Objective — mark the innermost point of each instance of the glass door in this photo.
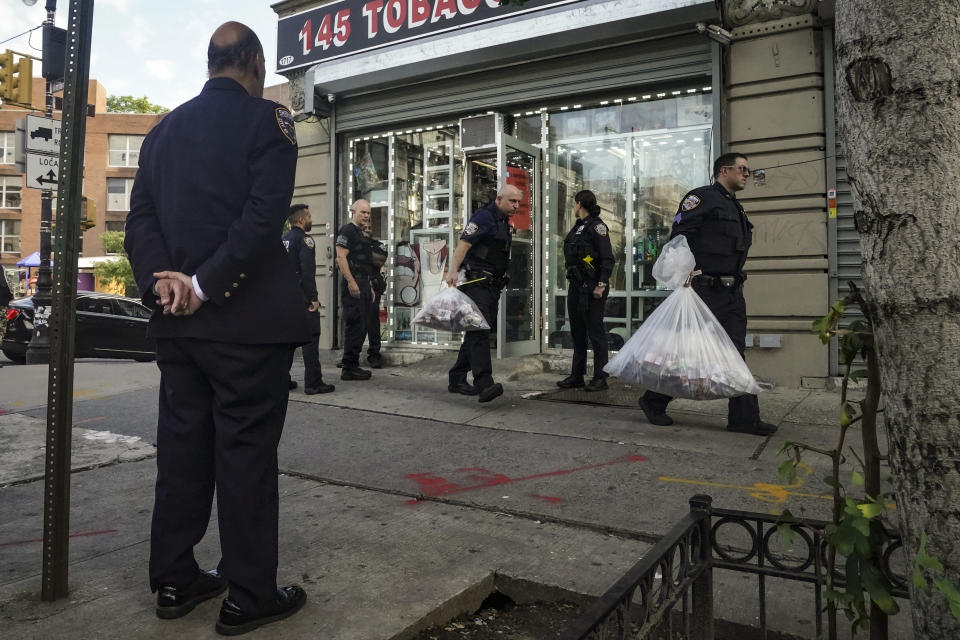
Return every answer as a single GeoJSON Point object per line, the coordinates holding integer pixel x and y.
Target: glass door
{"type": "Point", "coordinates": [518, 325]}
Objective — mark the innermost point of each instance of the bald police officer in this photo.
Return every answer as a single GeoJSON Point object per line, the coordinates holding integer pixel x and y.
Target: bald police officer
{"type": "Point", "coordinates": [302, 250]}
{"type": "Point", "coordinates": [719, 235]}
{"type": "Point", "coordinates": [484, 252]}
{"type": "Point", "coordinates": [203, 235]}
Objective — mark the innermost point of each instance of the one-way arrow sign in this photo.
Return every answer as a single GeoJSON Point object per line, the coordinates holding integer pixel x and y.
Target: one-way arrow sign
{"type": "Point", "coordinates": [42, 171]}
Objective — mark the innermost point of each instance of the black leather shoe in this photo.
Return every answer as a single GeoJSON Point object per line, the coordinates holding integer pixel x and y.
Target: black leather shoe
{"type": "Point", "coordinates": [659, 419]}
{"type": "Point", "coordinates": [462, 388]}
{"type": "Point", "coordinates": [293, 384]}
{"type": "Point", "coordinates": [493, 391]}
{"type": "Point", "coordinates": [758, 428]}
{"type": "Point", "coordinates": [234, 622]}
{"type": "Point", "coordinates": [571, 382]}
{"type": "Point", "coordinates": [175, 602]}
{"type": "Point", "coordinates": [320, 388]}
{"type": "Point", "coordinates": [597, 384]}
{"type": "Point", "coordinates": [354, 373]}
{"type": "Point", "coordinates": [375, 362]}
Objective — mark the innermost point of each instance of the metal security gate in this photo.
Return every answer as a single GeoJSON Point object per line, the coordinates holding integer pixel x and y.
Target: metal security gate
{"type": "Point", "coordinates": [600, 71]}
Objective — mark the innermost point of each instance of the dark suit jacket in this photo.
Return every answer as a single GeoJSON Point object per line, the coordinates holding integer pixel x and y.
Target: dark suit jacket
{"type": "Point", "coordinates": [213, 189]}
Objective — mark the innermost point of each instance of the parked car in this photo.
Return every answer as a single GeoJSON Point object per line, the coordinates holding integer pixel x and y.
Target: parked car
{"type": "Point", "coordinates": [107, 326]}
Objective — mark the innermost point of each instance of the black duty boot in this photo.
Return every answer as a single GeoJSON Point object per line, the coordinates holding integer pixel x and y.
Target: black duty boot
{"type": "Point", "coordinates": [660, 419]}
{"type": "Point", "coordinates": [758, 428]}
{"type": "Point", "coordinates": [354, 373]}
{"type": "Point", "coordinates": [323, 387]}
{"type": "Point", "coordinates": [175, 602]}
{"type": "Point", "coordinates": [493, 391]}
{"type": "Point", "coordinates": [597, 384]}
{"type": "Point", "coordinates": [571, 382]}
{"type": "Point", "coordinates": [234, 621]}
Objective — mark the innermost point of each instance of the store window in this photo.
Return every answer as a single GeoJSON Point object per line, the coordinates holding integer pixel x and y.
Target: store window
{"type": "Point", "coordinates": [124, 150]}
{"type": "Point", "coordinates": [6, 147]}
{"type": "Point", "coordinates": [114, 225]}
{"type": "Point", "coordinates": [10, 236]}
{"type": "Point", "coordinates": [413, 180]}
{"type": "Point", "coordinates": [118, 194]}
{"type": "Point", "coordinates": [10, 191]}
{"type": "Point", "coordinates": [639, 155]}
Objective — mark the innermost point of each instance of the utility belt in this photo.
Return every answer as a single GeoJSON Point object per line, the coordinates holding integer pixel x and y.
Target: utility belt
{"type": "Point", "coordinates": [487, 277]}
{"type": "Point", "coordinates": [358, 269]}
{"type": "Point", "coordinates": [721, 282]}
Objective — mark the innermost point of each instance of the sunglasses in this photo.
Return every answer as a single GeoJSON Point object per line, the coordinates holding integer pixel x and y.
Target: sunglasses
{"type": "Point", "coordinates": [744, 170]}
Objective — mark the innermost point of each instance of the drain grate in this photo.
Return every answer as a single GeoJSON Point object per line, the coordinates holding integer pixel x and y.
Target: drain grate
{"type": "Point", "coordinates": [618, 395]}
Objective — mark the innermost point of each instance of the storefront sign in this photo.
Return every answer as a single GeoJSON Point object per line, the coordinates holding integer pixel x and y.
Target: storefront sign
{"type": "Point", "coordinates": [346, 27]}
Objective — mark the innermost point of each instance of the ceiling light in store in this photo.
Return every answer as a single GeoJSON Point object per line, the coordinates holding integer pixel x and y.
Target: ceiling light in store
{"type": "Point", "coordinates": [663, 142]}
{"type": "Point", "coordinates": [517, 115]}
{"type": "Point", "coordinates": [691, 90]}
{"type": "Point", "coordinates": [698, 139]}
{"type": "Point", "coordinates": [708, 88]}
{"type": "Point", "coordinates": [646, 97]}
{"type": "Point", "coordinates": [564, 108]}
{"type": "Point", "coordinates": [603, 102]}
{"type": "Point", "coordinates": [577, 106]}
{"type": "Point", "coordinates": [367, 138]}
{"type": "Point", "coordinates": [676, 93]}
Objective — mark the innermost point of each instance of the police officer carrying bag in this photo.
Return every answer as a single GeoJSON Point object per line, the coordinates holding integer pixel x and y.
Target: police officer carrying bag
{"type": "Point", "coordinates": [589, 261]}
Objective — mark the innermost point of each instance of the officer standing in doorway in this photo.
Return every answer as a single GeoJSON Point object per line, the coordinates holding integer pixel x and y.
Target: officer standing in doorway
{"type": "Point", "coordinates": [589, 261]}
{"type": "Point", "coordinates": [484, 252]}
{"type": "Point", "coordinates": [719, 235]}
{"type": "Point", "coordinates": [355, 262]}
{"type": "Point", "coordinates": [207, 209]}
{"type": "Point", "coordinates": [302, 250]}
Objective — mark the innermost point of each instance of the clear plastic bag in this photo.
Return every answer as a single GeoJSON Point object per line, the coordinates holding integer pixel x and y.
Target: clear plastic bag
{"type": "Point", "coordinates": [451, 310]}
{"type": "Point", "coordinates": [681, 349]}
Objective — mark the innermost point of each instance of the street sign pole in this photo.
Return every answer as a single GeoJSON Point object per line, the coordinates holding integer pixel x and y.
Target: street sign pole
{"type": "Point", "coordinates": [56, 508]}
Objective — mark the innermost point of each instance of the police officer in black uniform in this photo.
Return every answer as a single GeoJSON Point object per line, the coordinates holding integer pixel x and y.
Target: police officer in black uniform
{"type": "Point", "coordinates": [355, 261]}
{"type": "Point", "coordinates": [484, 252]}
{"type": "Point", "coordinates": [589, 261]}
{"type": "Point", "coordinates": [719, 235]}
{"type": "Point", "coordinates": [378, 258]}
{"type": "Point", "coordinates": [203, 235]}
{"type": "Point", "coordinates": [302, 250]}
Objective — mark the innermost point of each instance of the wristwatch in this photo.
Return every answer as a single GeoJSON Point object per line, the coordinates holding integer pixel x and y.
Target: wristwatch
{"type": "Point", "coordinates": [602, 284]}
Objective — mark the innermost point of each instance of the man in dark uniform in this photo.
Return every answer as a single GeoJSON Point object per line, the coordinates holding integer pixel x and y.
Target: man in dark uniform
{"type": "Point", "coordinates": [355, 262]}
{"type": "Point", "coordinates": [203, 235]}
{"type": "Point", "coordinates": [589, 261]}
{"type": "Point", "coordinates": [484, 252]}
{"type": "Point", "coordinates": [302, 250]}
{"type": "Point", "coordinates": [719, 235]}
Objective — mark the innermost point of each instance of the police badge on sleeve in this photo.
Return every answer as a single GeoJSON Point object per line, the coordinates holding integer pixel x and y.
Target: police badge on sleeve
{"type": "Point", "coordinates": [470, 229]}
{"type": "Point", "coordinates": [601, 229]}
{"type": "Point", "coordinates": [307, 240]}
{"type": "Point", "coordinates": [285, 122]}
{"type": "Point", "coordinates": [690, 202]}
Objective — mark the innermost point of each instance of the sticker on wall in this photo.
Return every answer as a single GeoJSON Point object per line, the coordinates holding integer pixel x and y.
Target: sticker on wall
{"type": "Point", "coordinates": [832, 203]}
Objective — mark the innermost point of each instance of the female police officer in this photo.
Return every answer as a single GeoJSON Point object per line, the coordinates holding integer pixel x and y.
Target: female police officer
{"type": "Point", "coordinates": [589, 261]}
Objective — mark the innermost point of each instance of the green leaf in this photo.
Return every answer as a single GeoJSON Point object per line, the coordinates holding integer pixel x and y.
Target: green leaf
{"type": "Point", "coordinates": [924, 559]}
{"type": "Point", "coordinates": [857, 478]}
{"type": "Point", "coordinates": [786, 533]}
{"type": "Point", "coordinates": [870, 509]}
{"type": "Point", "coordinates": [918, 580]}
{"type": "Point", "coordinates": [862, 525]}
{"type": "Point", "coordinates": [947, 589]}
{"type": "Point", "coordinates": [878, 591]}
{"type": "Point", "coordinates": [859, 374]}
{"type": "Point", "coordinates": [845, 419]}
{"type": "Point", "coordinates": [787, 471]}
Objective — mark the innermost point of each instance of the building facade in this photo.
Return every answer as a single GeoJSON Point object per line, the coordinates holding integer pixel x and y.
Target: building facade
{"type": "Point", "coordinates": [111, 157]}
{"type": "Point", "coordinates": [424, 106]}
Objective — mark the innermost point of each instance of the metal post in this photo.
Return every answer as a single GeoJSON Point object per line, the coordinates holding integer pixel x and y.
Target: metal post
{"type": "Point", "coordinates": [56, 512]}
{"type": "Point", "coordinates": [702, 587]}
{"type": "Point", "coordinates": [38, 351]}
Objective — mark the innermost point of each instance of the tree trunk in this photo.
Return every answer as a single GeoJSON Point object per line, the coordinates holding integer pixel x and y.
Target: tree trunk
{"type": "Point", "coordinates": [898, 103]}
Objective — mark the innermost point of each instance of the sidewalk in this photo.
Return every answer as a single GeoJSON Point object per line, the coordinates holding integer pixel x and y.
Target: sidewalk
{"type": "Point", "coordinates": [582, 491]}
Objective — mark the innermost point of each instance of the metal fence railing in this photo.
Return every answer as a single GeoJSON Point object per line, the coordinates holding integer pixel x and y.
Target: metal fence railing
{"type": "Point", "coordinates": [668, 594]}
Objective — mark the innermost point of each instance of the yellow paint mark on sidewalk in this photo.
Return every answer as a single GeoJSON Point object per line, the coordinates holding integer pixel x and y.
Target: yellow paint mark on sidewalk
{"type": "Point", "coordinates": [767, 492]}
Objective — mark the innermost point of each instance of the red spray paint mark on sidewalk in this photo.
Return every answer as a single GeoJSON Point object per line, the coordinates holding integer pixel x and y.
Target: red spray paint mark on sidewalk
{"type": "Point", "coordinates": [73, 535]}
{"type": "Point", "coordinates": [434, 486]}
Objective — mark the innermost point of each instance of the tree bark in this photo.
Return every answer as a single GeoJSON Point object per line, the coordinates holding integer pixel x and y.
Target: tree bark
{"type": "Point", "coordinates": [898, 104]}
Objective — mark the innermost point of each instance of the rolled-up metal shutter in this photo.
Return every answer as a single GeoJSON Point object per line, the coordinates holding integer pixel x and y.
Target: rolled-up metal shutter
{"type": "Point", "coordinates": [583, 73]}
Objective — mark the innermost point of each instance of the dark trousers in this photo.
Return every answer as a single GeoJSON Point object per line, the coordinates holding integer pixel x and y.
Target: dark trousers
{"type": "Point", "coordinates": [474, 353]}
{"type": "Point", "coordinates": [221, 413]}
{"type": "Point", "coordinates": [312, 373]}
{"type": "Point", "coordinates": [356, 312]}
{"type": "Point", "coordinates": [373, 329]}
{"type": "Point", "coordinates": [731, 310]}
{"type": "Point", "coordinates": [586, 321]}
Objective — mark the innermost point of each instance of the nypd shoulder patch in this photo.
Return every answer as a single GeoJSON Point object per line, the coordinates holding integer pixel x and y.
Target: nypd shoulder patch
{"type": "Point", "coordinates": [601, 229]}
{"type": "Point", "coordinates": [309, 242]}
{"type": "Point", "coordinates": [285, 122]}
{"type": "Point", "coordinates": [470, 229]}
{"type": "Point", "coordinates": [342, 241]}
{"type": "Point", "coordinates": [690, 202]}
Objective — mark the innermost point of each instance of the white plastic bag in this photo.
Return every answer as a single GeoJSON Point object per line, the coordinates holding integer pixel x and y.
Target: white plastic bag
{"type": "Point", "coordinates": [451, 310]}
{"type": "Point", "coordinates": [681, 349]}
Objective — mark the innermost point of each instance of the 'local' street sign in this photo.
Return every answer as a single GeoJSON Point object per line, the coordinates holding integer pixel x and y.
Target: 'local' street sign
{"type": "Point", "coordinates": [42, 171]}
{"type": "Point", "coordinates": [43, 135]}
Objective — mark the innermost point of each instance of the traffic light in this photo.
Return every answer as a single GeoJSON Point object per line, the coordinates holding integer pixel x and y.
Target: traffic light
{"type": "Point", "coordinates": [23, 82]}
{"type": "Point", "coordinates": [16, 79]}
{"type": "Point", "coordinates": [6, 75]}
{"type": "Point", "coordinates": [88, 213]}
